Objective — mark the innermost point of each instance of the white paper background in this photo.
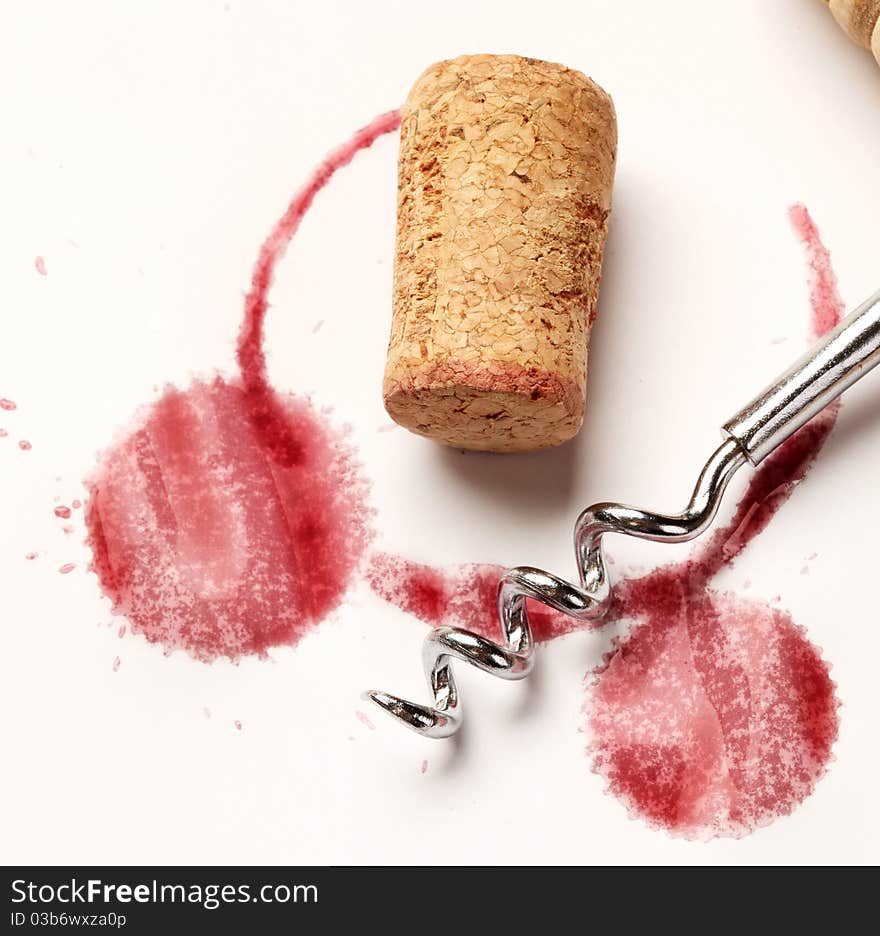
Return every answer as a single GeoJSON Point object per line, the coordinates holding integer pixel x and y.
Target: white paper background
{"type": "Point", "coordinates": [147, 152]}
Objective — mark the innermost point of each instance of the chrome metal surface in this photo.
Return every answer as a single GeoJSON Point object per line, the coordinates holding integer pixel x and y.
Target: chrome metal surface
{"type": "Point", "coordinates": [834, 363]}
{"type": "Point", "coordinates": [820, 376]}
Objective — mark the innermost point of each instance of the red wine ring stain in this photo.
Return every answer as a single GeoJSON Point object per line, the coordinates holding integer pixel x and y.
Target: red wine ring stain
{"type": "Point", "coordinates": [232, 519]}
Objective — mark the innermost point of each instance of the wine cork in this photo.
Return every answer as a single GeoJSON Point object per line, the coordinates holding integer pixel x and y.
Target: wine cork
{"type": "Point", "coordinates": [860, 20]}
{"type": "Point", "coordinates": [504, 191]}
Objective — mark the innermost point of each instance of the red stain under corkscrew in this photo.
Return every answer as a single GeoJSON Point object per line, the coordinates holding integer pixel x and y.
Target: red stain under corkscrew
{"type": "Point", "coordinates": [714, 715]}
{"type": "Point", "coordinates": [231, 518]}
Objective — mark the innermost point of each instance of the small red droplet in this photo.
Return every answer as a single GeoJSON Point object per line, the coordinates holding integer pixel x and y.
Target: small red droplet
{"type": "Point", "coordinates": [40, 265]}
{"type": "Point", "coordinates": [8, 405]}
{"type": "Point", "coordinates": [30, 555]}
{"type": "Point", "coordinates": [67, 567]}
{"type": "Point", "coordinates": [116, 664]}
{"type": "Point", "coordinates": [76, 504]}
{"type": "Point", "coordinates": [237, 724]}
{"type": "Point", "coordinates": [24, 445]}
{"type": "Point", "coordinates": [3, 433]}
{"type": "Point", "coordinates": [121, 631]}
{"type": "Point", "coordinates": [63, 512]}
{"type": "Point", "coordinates": [364, 720]}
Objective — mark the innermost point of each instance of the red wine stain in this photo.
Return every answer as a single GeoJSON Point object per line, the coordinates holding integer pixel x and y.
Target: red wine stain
{"type": "Point", "coordinates": [76, 504]}
{"type": "Point", "coordinates": [3, 433]}
{"type": "Point", "coordinates": [67, 568]}
{"type": "Point", "coordinates": [24, 445]}
{"type": "Point", "coordinates": [231, 518]}
{"type": "Point", "coordinates": [824, 298]}
{"type": "Point", "coordinates": [714, 715]}
{"type": "Point", "coordinates": [40, 266]}
{"type": "Point", "coordinates": [116, 664]}
{"type": "Point", "coordinates": [63, 512]}
{"type": "Point", "coordinates": [31, 555]}
{"type": "Point", "coordinates": [68, 528]}
{"type": "Point", "coordinates": [460, 596]}
{"type": "Point", "coordinates": [8, 405]}
{"type": "Point", "coordinates": [237, 724]}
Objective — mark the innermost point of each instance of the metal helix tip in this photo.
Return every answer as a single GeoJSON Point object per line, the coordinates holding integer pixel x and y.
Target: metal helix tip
{"type": "Point", "coordinates": [423, 719]}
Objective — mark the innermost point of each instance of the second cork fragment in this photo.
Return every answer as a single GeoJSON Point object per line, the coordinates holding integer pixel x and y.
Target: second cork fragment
{"type": "Point", "coordinates": [504, 191]}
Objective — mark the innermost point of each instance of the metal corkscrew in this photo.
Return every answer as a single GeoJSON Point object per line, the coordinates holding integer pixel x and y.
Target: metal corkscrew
{"type": "Point", "coordinates": [816, 379]}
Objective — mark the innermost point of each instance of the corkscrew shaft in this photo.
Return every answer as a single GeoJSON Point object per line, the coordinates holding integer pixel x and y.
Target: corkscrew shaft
{"type": "Point", "coordinates": [834, 363]}
{"type": "Point", "coordinates": [810, 384]}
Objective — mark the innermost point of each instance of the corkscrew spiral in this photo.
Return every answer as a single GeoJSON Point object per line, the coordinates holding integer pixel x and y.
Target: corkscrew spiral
{"type": "Point", "coordinates": [514, 658]}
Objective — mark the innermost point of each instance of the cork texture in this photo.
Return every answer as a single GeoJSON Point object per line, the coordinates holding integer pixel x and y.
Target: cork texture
{"type": "Point", "coordinates": [860, 20]}
{"type": "Point", "coordinates": [857, 17]}
{"type": "Point", "coordinates": [505, 175]}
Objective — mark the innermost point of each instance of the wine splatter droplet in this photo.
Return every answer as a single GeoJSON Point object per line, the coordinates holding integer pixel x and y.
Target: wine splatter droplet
{"type": "Point", "coordinates": [67, 568]}
{"type": "Point", "coordinates": [63, 512]}
{"type": "Point", "coordinates": [40, 266]}
{"type": "Point", "coordinates": [116, 664]}
{"type": "Point", "coordinates": [8, 405]}
{"type": "Point", "coordinates": [24, 445]}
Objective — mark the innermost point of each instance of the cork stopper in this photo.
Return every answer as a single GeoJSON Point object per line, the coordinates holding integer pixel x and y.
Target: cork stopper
{"type": "Point", "coordinates": [505, 176]}
{"type": "Point", "coordinates": [860, 20]}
